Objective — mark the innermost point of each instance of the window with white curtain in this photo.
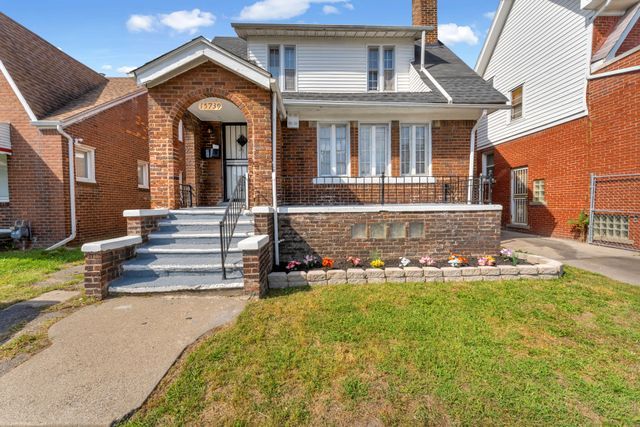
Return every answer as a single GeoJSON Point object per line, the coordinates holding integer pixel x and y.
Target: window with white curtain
{"type": "Point", "coordinates": [374, 149]}
{"type": "Point", "coordinates": [388, 62]}
{"type": "Point", "coordinates": [415, 150]}
{"type": "Point", "coordinates": [274, 61]}
{"type": "Point", "coordinates": [143, 174]}
{"type": "Point", "coordinates": [373, 68]}
{"type": "Point", "coordinates": [289, 68]}
{"type": "Point", "coordinates": [333, 149]}
{"type": "Point", "coordinates": [4, 179]}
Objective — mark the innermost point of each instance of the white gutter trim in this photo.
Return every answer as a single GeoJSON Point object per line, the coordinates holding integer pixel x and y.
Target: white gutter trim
{"type": "Point", "coordinates": [103, 107]}
{"type": "Point", "coordinates": [596, 66]}
{"type": "Point", "coordinates": [273, 83]}
{"type": "Point", "coordinates": [424, 46]}
{"type": "Point", "coordinates": [72, 189]}
{"type": "Point", "coordinates": [274, 188]}
{"type": "Point", "coordinates": [17, 92]}
{"type": "Point", "coordinates": [600, 11]}
{"type": "Point", "coordinates": [472, 155]}
{"type": "Point", "coordinates": [319, 102]}
{"type": "Point", "coordinates": [614, 72]}
{"type": "Point", "coordinates": [436, 84]}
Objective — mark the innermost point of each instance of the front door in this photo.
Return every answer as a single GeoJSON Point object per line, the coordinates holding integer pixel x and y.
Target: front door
{"type": "Point", "coordinates": [519, 196]}
{"type": "Point", "coordinates": [235, 155]}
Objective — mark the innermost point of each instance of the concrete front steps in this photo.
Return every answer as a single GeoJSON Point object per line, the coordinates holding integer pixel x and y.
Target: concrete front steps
{"type": "Point", "coordinates": [184, 255]}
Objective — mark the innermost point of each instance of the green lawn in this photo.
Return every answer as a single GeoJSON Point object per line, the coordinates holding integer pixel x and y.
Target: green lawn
{"type": "Point", "coordinates": [563, 352]}
{"type": "Point", "coordinates": [20, 270]}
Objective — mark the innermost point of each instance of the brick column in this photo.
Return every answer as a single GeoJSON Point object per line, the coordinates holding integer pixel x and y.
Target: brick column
{"type": "Point", "coordinates": [144, 221]}
{"type": "Point", "coordinates": [257, 264]}
{"type": "Point", "coordinates": [103, 263]}
{"type": "Point", "coordinates": [395, 148]}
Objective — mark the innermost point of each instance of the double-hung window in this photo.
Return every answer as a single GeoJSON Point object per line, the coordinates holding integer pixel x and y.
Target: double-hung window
{"type": "Point", "coordinates": [85, 163]}
{"type": "Point", "coordinates": [381, 62]}
{"type": "Point", "coordinates": [517, 103]}
{"type": "Point", "coordinates": [415, 150]}
{"type": "Point", "coordinates": [374, 149]}
{"type": "Point", "coordinates": [333, 149]}
{"type": "Point", "coordinates": [4, 179]}
{"type": "Point", "coordinates": [282, 65]}
{"type": "Point", "coordinates": [143, 174]}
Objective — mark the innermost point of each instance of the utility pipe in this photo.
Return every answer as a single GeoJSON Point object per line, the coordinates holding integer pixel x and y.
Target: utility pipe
{"type": "Point", "coordinates": [472, 155]}
{"type": "Point", "coordinates": [274, 188]}
{"type": "Point", "coordinates": [72, 188]}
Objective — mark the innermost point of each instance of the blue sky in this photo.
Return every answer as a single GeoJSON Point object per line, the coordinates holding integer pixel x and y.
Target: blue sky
{"type": "Point", "coordinates": [116, 35]}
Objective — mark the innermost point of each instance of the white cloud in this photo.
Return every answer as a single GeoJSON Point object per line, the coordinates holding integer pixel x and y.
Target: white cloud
{"type": "Point", "coordinates": [188, 21]}
{"type": "Point", "coordinates": [454, 34]}
{"type": "Point", "coordinates": [125, 69]}
{"type": "Point", "coordinates": [348, 6]}
{"type": "Point", "coordinates": [271, 10]}
{"type": "Point", "coordinates": [107, 67]}
{"type": "Point", "coordinates": [327, 9]}
{"type": "Point", "coordinates": [489, 15]}
{"type": "Point", "coordinates": [138, 23]}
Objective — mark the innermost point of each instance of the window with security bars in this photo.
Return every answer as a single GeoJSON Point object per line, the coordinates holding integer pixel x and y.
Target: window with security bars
{"type": "Point", "coordinates": [610, 228]}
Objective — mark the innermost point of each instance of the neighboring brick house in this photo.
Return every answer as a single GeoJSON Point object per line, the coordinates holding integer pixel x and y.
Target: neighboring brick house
{"type": "Point", "coordinates": [572, 70]}
{"type": "Point", "coordinates": [47, 98]}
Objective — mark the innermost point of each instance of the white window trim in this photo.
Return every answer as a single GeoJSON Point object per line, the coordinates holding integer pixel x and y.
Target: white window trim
{"type": "Point", "coordinates": [333, 148]}
{"type": "Point", "coordinates": [91, 163]}
{"type": "Point", "coordinates": [6, 161]}
{"type": "Point", "coordinates": [522, 117]}
{"type": "Point", "coordinates": [281, 53]}
{"type": "Point", "coordinates": [381, 48]}
{"type": "Point", "coordinates": [484, 162]}
{"type": "Point", "coordinates": [387, 171]}
{"type": "Point", "coordinates": [365, 180]}
{"type": "Point", "coordinates": [412, 149]}
{"type": "Point", "coordinates": [145, 180]}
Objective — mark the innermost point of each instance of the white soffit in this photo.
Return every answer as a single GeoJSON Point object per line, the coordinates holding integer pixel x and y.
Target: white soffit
{"type": "Point", "coordinates": [5, 138]}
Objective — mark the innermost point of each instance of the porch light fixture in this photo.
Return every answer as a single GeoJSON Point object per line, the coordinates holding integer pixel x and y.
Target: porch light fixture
{"type": "Point", "coordinates": [242, 140]}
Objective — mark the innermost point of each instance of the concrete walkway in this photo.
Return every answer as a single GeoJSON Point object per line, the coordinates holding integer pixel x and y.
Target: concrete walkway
{"type": "Point", "coordinates": [106, 359]}
{"type": "Point", "coordinates": [617, 264]}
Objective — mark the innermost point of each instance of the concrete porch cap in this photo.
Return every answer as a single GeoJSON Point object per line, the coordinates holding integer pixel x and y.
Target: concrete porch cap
{"type": "Point", "coordinates": [141, 213]}
{"type": "Point", "coordinates": [427, 207]}
{"type": "Point", "coordinates": [253, 243]}
{"type": "Point", "coordinates": [111, 244]}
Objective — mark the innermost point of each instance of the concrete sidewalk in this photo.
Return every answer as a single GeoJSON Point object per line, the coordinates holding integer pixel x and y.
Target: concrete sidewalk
{"type": "Point", "coordinates": [107, 358]}
{"type": "Point", "coordinates": [617, 264]}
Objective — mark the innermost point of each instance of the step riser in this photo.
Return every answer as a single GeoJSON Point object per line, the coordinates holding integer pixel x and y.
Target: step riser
{"type": "Point", "coordinates": [209, 241]}
{"type": "Point", "coordinates": [177, 259]}
{"type": "Point", "coordinates": [178, 273]}
{"type": "Point", "coordinates": [211, 229]}
{"type": "Point", "coordinates": [182, 217]}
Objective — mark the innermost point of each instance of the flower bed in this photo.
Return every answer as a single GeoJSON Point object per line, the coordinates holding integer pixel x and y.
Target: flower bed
{"type": "Point", "coordinates": [527, 267]}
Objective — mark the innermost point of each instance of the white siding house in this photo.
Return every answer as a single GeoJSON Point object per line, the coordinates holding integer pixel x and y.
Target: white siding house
{"type": "Point", "coordinates": [545, 47]}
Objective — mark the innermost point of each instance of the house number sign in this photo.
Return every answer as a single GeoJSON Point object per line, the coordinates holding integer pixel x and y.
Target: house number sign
{"type": "Point", "coordinates": [210, 106]}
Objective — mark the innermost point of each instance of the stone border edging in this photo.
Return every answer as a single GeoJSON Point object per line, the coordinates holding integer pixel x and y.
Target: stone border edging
{"type": "Point", "coordinates": [543, 268]}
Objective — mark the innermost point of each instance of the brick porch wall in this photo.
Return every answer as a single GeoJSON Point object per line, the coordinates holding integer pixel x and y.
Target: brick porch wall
{"type": "Point", "coordinates": [330, 234]}
{"type": "Point", "coordinates": [169, 101]}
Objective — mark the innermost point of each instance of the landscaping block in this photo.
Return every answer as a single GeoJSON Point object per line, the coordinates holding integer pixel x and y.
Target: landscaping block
{"type": "Point", "coordinates": [414, 274]}
{"type": "Point", "coordinates": [278, 280]}
{"type": "Point", "coordinates": [356, 273]}
{"type": "Point", "coordinates": [374, 273]}
{"type": "Point", "coordinates": [393, 273]}
{"type": "Point", "coordinates": [316, 276]}
{"type": "Point", "coordinates": [470, 271]}
{"type": "Point", "coordinates": [376, 280]}
{"type": "Point", "coordinates": [432, 272]}
{"type": "Point", "coordinates": [473, 278]}
{"type": "Point", "coordinates": [336, 277]}
{"type": "Point", "coordinates": [528, 270]}
{"type": "Point", "coordinates": [357, 281]}
{"type": "Point", "coordinates": [509, 270]}
{"type": "Point", "coordinates": [489, 271]}
{"type": "Point", "coordinates": [297, 279]}
{"type": "Point", "coordinates": [549, 268]}
{"type": "Point", "coordinates": [451, 272]}
{"type": "Point", "coordinates": [453, 279]}
{"type": "Point", "coordinates": [433, 279]}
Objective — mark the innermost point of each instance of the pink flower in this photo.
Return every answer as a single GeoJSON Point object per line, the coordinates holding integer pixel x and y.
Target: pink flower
{"type": "Point", "coordinates": [428, 261]}
{"type": "Point", "coordinates": [356, 262]}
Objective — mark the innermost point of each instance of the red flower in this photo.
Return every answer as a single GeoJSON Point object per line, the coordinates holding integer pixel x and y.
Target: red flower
{"type": "Point", "coordinates": [327, 263]}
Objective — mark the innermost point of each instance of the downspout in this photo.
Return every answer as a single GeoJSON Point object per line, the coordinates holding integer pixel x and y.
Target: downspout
{"type": "Point", "coordinates": [472, 156]}
{"type": "Point", "coordinates": [72, 189]}
{"type": "Point", "coordinates": [274, 188]}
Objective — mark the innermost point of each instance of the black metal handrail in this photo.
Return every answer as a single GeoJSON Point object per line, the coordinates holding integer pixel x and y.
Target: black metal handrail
{"type": "Point", "coordinates": [331, 191]}
{"type": "Point", "coordinates": [230, 220]}
{"type": "Point", "coordinates": [186, 196]}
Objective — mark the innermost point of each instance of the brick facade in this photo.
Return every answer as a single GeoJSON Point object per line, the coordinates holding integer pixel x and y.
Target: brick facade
{"type": "Point", "coordinates": [606, 141]}
{"type": "Point", "coordinates": [101, 268]}
{"type": "Point", "coordinates": [168, 103]}
{"type": "Point", "coordinates": [425, 12]}
{"type": "Point", "coordinates": [256, 268]}
{"type": "Point", "coordinates": [330, 234]}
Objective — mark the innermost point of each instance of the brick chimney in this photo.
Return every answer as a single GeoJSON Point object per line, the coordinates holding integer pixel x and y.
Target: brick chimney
{"type": "Point", "coordinates": [425, 12]}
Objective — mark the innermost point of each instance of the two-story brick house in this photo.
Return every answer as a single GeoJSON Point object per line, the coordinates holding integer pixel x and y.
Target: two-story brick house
{"type": "Point", "coordinates": [349, 139]}
{"type": "Point", "coordinates": [572, 71]}
{"type": "Point", "coordinates": [60, 119]}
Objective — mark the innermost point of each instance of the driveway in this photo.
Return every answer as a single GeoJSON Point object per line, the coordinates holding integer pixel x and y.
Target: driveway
{"type": "Point", "coordinates": [106, 359]}
{"type": "Point", "coordinates": [617, 264]}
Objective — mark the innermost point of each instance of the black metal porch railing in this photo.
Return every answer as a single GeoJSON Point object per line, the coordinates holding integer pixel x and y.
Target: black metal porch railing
{"type": "Point", "coordinates": [230, 219]}
{"type": "Point", "coordinates": [186, 196]}
{"type": "Point", "coordinates": [331, 191]}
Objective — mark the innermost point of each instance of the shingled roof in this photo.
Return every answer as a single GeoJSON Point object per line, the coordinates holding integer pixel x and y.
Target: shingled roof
{"type": "Point", "coordinates": [54, 84]}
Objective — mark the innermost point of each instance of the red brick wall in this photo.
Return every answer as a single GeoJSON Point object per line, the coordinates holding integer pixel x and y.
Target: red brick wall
{"type": "Point", "coordinates": [329, 235]}
{"type": "Point", "coordinates": [36, 174]}
{"type": "Point", "coordinates": [171, 100]}
{"type": "Point", "coordinates": [119, 136]}
{"type": "Point", "coordinates": [632, 40]}
{"type": "Point", "coordinates": [425, 12]}
{"type": "Point", "coordinates": [605, 142]}
{"type": "Point", "coordinates": [602, 27]}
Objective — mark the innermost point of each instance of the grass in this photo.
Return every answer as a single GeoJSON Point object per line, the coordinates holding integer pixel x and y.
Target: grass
{"type": "Point", "coordinates": [20, 270]}
{"type": "Point", "coordinates": [562, 352]}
